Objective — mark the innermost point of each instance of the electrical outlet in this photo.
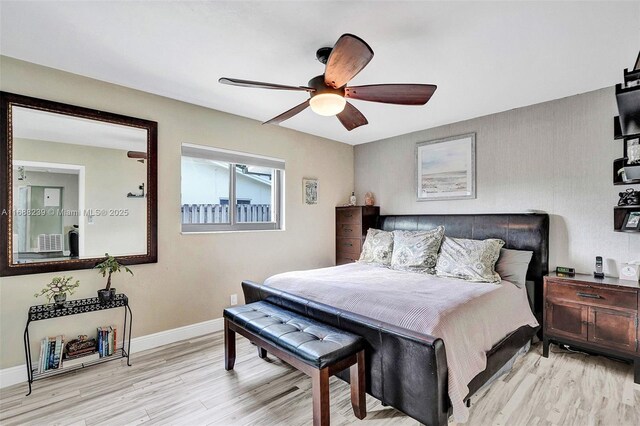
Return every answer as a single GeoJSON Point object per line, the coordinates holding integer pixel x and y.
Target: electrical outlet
{"type": "Point", "coordinates": [234, 299]}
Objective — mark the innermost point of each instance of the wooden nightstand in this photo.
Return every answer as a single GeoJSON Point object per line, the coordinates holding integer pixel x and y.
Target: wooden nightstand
{"type": "Point", "coordinates": [352, 224]}
{"type": "Point", "coordinates": [600, 315]}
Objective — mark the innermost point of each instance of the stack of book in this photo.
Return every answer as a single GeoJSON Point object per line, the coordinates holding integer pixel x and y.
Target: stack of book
{"type": "Point", "coordinates": [107, 340]}
{"type": "Point", "coordinates": [51, 353]}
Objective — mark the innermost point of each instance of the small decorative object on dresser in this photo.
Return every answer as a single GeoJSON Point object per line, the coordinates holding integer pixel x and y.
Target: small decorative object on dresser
{"type": "Point", "coordinates": [109, 266]}
{"type": "Point", "coordinates": [598, 315]}
{"type": "Point", "coordinates": [369, 199]}
{"type": "Point", "coordinates": [57, 290]}
{"type": "Point", "coordinates": [352, 199]}
{"type": "Point", "coordinates": [630, 271]}
{"type": "Point", "coordinates": [310, 191]}
{"type": "Point", "coordinates": [352, 224]}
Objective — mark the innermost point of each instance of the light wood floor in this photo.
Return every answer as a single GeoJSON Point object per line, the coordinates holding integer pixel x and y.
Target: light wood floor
{"type": "Point", "coordinates": [185, 383]}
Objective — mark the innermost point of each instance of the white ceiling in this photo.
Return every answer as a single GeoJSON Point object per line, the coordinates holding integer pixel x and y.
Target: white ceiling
{"type": "Point", "coordinates": [485, 57]}
{"type": "Point", "coordinates": [46, 126]}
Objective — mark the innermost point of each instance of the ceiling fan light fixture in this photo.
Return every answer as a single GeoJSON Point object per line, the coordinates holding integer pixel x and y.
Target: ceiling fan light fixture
{"type": "Point", "coordinates": [327, 104]}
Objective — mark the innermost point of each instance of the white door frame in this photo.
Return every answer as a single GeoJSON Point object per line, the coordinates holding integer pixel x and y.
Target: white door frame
{"type": "Point", "coordinates": [81, 190]}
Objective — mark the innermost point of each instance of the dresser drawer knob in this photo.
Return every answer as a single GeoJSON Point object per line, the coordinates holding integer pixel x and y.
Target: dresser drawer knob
{"type": "Point", "coordinates": [589, 295]}
{"type": "Point", "coordinates": [348, 215]}
{"type": "Point", "coordinates": [348, 229]}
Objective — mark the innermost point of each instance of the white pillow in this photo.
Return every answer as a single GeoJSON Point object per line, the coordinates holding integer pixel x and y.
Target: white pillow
{"type": "Point", "coordinates": [512, 266]}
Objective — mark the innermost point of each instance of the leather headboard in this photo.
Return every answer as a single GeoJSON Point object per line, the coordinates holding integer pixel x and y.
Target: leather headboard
{"type": "Point", "coordinates": [518, 231]}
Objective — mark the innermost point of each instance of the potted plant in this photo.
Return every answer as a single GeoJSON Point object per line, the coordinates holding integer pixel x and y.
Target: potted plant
{"type": "Point", "coordinates": [57, 290]}
{"type": "Point", "coordinates": [106, 268]}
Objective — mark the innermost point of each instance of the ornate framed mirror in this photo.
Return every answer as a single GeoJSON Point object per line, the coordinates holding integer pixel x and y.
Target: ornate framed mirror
{"type": "Point", "coordinates": [77, 183]}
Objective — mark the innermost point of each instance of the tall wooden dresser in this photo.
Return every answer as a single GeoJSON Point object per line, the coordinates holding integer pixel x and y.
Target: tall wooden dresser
{"type": "Point", "coordinates": [600, 315]}
{"type": "Point", "coordinates": [352, 224]}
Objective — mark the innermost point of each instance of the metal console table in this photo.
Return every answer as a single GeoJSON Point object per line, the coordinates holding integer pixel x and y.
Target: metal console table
{"type": "Point", "coordinates": [74, 307]}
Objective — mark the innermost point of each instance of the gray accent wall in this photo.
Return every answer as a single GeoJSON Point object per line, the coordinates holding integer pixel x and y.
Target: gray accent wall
{"type": "Point", "coordinates": [554, 157]}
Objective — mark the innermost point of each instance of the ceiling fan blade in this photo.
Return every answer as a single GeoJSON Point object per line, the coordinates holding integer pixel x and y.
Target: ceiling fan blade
{"type": "Point", "coordinates": [348, 57]}
{"type": "Point", "coordinates": [401, 94]}
{"type": "Point", "coordinates": [137, 154]}
{"type": "Point", "coordinates": [288, 114]}
{"type": "Point", "coordinates": [261, 85]}
{"type": "Point", "coordinates": [351, 118]}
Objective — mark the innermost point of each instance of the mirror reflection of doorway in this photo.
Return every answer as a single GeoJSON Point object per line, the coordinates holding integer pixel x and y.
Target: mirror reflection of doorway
{"type": "Point", "coordinates": [48, 200]}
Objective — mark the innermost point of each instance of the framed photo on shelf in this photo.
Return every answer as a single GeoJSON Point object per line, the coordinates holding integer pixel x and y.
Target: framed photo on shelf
{"type": "Point", "coordinates": [310, 191]}
{"type": "Point", "coordinates": [632, 222]}
{"type": "Point", "coordinates": [446, 168]}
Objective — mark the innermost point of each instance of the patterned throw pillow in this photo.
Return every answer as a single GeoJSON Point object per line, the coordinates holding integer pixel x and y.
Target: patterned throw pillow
{"type": "Point", "coordinates": [471, 260]}
{"type": "Point", "coordinates": [377, 247]}
{"type": "Point", "coordinates": [416, 251]}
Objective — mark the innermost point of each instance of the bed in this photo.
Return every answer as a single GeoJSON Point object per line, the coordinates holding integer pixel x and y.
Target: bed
{"type": "Point", "coordinates": [406, 367]}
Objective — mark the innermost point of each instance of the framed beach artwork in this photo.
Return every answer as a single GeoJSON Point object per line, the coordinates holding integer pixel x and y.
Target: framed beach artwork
{"type": "Point", "coordinates": [310, 191]}
{"type": "Point", "coordinates": [446, 168]}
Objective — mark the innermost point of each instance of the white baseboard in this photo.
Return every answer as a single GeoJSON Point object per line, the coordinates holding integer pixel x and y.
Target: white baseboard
{"type": "Point", "coordinates": [150, 341]}
{"type": "Point", "coordinates": [18, 374]}
{"type": "Point", "coordinates": [12, 375]}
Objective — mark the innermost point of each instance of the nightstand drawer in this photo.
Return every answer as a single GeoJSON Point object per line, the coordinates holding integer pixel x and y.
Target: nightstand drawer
{"type": "Point", "coordinates": [593, 295]}
{"type": "Point", "coordinates": [349, 215]}
{"type": "Point", "coordinates": [348, 247]}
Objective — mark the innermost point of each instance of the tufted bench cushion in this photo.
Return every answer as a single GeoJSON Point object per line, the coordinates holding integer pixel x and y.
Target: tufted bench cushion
{"type": "Point", "coordinates": [312, 342]}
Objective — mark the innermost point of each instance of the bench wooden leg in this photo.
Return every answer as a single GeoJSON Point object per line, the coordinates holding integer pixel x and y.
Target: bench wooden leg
{"type": "Point", "coordinates": [262, 353]}
{"type": "Point", "coordinates": [229, 346]}
{"type": "Point", "coordinates": [320, 389]}
{"type": "Point", "coordinates": [358, 387]}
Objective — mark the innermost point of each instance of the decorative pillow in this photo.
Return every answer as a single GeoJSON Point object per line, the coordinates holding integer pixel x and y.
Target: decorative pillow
{"type": "Point", "coordinates": [377, 247]}
{"type": "Point", "coordinates": [416, 251]}
{"type": "Point", "coordinates": [512, 266]}
{"type": "Point", "coordinates": [471, 260]}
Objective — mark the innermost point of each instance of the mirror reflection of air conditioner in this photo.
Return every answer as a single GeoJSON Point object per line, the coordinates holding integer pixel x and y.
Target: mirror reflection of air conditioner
{"type": "Point", "coordinates": [49, 242]}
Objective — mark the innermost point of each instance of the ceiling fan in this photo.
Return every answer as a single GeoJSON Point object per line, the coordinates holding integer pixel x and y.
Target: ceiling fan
{"type": "Point", "coordinates": [328, 92]}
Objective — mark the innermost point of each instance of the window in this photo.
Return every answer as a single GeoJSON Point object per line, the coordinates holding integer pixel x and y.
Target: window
{"type": "Point", "coordinates": [230, 191]}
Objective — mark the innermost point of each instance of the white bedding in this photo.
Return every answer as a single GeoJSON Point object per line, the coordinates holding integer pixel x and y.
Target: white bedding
{"type": "Point", "coordinates": [469, 317]}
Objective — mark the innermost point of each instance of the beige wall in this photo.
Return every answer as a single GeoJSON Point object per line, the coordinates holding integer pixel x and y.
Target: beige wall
{"type": "Point", "coordinates": [195, 274]}
{"type": "Point", "coordinates": [556, 157]}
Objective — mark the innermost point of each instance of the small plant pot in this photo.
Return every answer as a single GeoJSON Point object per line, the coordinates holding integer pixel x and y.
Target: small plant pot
{"type": "Point", "coordinates": [59, 300]}
{"type": "Point", "coordinates": [105, 296]}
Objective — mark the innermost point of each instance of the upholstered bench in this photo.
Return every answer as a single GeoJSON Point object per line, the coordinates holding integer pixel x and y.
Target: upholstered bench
{"type": "Point", "coordinates": [312, 347]}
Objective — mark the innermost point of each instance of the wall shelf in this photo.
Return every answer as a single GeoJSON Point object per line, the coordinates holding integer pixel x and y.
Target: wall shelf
{"type": "Point", "coordinates": [628, 99]}
{"type": "Point", "coordinates": [626, 126]}
{"type": "Point", "coordinates": [617, 131]}
{"type": "Point", "coordinates": [618, 163]}
{"type": "Point", "coordinates": [620, 213]}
